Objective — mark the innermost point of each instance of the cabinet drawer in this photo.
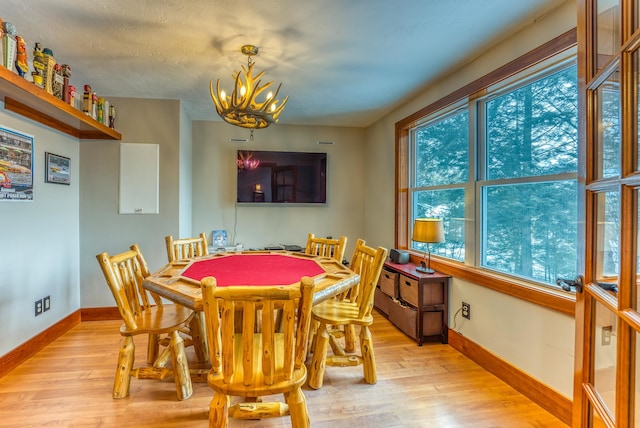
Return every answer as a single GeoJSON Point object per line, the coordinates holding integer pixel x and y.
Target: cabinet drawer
{"type": "Point", "coordinates": [382, 302]}
{"type": "Point", "coordinates": [409, 290]}
{"type": "Point", "coordinates": [404, 317]}
{"type": "Point", "coordinates": [432, 292]}
{"type": "Point", "coordinates": [389, 283]}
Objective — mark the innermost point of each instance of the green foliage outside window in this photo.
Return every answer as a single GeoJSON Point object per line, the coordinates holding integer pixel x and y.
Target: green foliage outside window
{"type": "Point", "coordinates": [524, 187]}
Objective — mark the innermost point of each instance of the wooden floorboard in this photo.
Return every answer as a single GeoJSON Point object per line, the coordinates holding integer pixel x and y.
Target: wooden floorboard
{"type": "Point", "coordinates": [69, 384]}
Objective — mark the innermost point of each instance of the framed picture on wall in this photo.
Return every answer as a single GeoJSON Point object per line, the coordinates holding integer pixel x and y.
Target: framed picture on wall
{"type": "Point", "coordinates": [57, 169]}
{"type": "Point", "coordinates": [16, 161]}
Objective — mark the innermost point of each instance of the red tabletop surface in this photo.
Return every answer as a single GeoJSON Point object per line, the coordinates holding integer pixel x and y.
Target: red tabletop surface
{"type": "Point", "coordinates": [253, 269]}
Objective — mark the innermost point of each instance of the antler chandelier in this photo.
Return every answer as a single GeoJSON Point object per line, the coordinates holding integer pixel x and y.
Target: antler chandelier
{"type": "Point", "coordinates": [242, 108]}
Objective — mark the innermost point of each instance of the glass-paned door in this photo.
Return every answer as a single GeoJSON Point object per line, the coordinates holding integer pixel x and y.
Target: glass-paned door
{"type": "Point", "coordinates": [607, 318]}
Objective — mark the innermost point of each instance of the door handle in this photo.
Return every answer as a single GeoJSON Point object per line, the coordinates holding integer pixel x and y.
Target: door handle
{"type": "Point", "coordinates": [608, 286]}
{"type": "Point", "coordinates": [567, 284]}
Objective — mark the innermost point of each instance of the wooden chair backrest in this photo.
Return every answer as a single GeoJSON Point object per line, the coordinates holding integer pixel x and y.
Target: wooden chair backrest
{"type": "Point", "coordinates": [326, 247]}
{"type": "Point", "coordinates": [259, 307]}
{"type": "Point", "coordinates": [124, 275]}
{"type": "Point", "coordinates": [144, 268]}
{"type": "Point", "coordinates": [185, 248]}
{"type": "Point", "coordinates": [366, 262]}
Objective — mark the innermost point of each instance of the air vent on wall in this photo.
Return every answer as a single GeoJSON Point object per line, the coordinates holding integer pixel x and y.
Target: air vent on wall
{"type": "Point", "coordinates": [238, 140]}
{"type": "Point", "coordinates": [326, 143]}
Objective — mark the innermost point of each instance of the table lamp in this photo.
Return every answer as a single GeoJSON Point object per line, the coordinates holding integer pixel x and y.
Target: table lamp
{"type": "Point", "coordinates": [428, 231]}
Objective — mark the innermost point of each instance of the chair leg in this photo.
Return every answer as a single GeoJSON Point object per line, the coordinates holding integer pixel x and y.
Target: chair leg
{"type": "Point", "coordinates": [181, 374]}
{"type": "Point", "coordinates": [349, 338]}
{"type": "Point", "coordinates": [126, 358]}
{"type": "Point", "coordinates": [197, 329]}
{"type": "Point", "coordinates": [316, 371]}
{"type": "Point", "coordinates": [335, 345]}
{"type": "Point", "coordinates": [163, 358]}
{"type": "Point", "coordinates": [218, 411]}
{"type": "Point", "coordinates": [153, 347]}
{"type": "Point", "coordinates": [297, 408]}
{"type": "Point", "coordinates": [369, 361]}
{"type": "Point", "coordinates": [313, 330]}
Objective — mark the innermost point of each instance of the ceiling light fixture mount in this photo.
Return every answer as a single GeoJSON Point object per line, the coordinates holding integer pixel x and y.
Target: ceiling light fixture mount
{"type": "Point", "coordinates": [242, 108]}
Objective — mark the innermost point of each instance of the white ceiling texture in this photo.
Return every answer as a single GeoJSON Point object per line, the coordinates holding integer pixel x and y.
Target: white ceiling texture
{"type": "Point", "coordinates": [341, 62]}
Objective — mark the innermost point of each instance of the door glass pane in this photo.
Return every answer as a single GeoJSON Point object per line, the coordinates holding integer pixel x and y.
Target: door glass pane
{"type": "Point", "coordinates": [597, 421]}
{"type": "Point", "coordinates": [604, 352]}
{"type": "Point", "coordinates": [608, 248]}
{"type": "Point", "coordinates": [636, 72]}
{"type": "Point", "coordinates": [608, 131]}
{"type": "Point", "coordinates": [637, 384]}
{"type": "Point", "coordinates": [607, 30]}
{"type": "Point", "coordinates": [637, 307]}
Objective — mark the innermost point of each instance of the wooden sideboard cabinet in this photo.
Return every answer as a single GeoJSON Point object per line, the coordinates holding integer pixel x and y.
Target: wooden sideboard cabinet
{"type": "Point", "coordinates": [416, 303]}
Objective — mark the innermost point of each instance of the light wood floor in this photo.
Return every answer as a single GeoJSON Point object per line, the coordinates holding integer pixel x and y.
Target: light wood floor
{"type": "Point", "coordinates": [69, 384]}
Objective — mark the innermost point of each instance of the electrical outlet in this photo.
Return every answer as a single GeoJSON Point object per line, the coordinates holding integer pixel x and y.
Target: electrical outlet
{"type": "Point", "coordinates": [38, 307]}
{"type": "Point", "coordinates": [606, 335]}
{"type": "Point", "coordinates": [46, 303]}
{"type": "Point", "coordinates": [466, 310]}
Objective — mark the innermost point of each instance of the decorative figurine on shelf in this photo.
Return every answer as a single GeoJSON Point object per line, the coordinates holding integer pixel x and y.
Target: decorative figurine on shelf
{"type": "Point", "coordinates": [72, 96]}
{"type": "Point", "coordinates": [8, 28]}
{"type": "Point", "coordinates": [112, 117]}
{"type": "Point", "coordinates": [66, 75]}
{"type": "Point", "coordinates": [48, 72]}
{"type": "Point", "coordinates": [9, 45]}
{"type": "Point", "coordinates": [105, 113]}
{"type": "Point", "coordinates": [22, 66]}
{"type": "Point", "coordinates": [39, 66]}
{"type": "Point", "coordinates": [100, 117]}
{"type": "Point", "coordinates": [87, 108]}
{"type": "Point", "coordinates": [58, 81]}
{"type": "Point", "coordinates": [94, 105]}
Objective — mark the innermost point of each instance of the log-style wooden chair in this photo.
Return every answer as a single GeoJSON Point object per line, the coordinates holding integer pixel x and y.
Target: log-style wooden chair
{"type": "Point", "coordinates": [354, 310]}
{"type": "Point", "coordinates": [180, 249]}
{"type": "Point", "coordinates": [334, 248]}
{"type": "Point", "coordinates": [185, 248]}
{"type": "Point", "coordinates": [255, 357]}
{"type": "Point", "coordinates": [193, 336]}
{"type": "Point", "coordinates": [326, 247]}
{"type": "Point", "coordinates": [124, 275]}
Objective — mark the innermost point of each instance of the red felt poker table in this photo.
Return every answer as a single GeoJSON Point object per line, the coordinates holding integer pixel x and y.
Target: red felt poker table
{"type": "Point", "coordinates": [179, 281]}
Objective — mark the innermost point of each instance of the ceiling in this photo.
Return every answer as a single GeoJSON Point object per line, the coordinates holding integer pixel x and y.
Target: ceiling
{"type": "Point", "coordinates": [341, 62]}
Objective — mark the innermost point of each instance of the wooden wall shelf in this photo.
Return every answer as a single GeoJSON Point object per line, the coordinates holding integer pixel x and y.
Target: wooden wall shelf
{"type": "Point", "coordinates": [23, 97]}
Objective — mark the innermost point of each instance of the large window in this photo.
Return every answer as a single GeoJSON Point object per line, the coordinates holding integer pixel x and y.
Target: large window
{"type": "Point", "coordinates": [504, 165]}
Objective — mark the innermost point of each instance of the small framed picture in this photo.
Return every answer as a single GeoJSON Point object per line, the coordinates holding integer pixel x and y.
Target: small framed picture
{"type": "Point", "coordinates": [57, 169]}
{"type": "Point", "coordinates": [219, 238]}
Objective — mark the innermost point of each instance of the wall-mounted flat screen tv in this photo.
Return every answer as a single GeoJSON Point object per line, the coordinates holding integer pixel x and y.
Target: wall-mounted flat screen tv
{"type": "Point", "coordinates": [272, 177]}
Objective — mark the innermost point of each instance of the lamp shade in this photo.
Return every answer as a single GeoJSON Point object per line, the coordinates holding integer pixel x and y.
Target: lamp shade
{"type": "Point", "coordinates": [428, 230]}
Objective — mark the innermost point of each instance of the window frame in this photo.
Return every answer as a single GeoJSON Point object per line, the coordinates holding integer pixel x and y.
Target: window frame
{"type": "Point", "coordinates": [549, 297]}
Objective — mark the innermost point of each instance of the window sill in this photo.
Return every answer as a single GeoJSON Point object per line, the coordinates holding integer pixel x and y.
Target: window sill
{"type": "Point", "coordinates": [547, 297]}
